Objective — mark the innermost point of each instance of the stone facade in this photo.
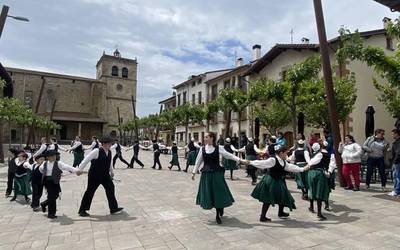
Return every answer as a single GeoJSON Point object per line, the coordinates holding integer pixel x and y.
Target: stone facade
{"type": "Point", "coordinates": [83, 106]}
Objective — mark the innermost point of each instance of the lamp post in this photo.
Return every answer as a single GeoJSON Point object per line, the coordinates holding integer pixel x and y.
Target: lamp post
{"type": "Point", "coordinates": [4, 15]}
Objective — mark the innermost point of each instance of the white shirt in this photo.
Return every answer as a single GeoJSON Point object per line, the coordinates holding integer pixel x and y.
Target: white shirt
{"type": "Point", "coordinates": [91, 147]}
{"type": "Point", "coordinates": [270, 162]}
{"type": "Point", "coordinates": [61, 165]}
{"type": "Point", "coordinates": [317, 159]}
{"type": "Point", "coordinates": [210, 149]}
{"type": "Point", "coordinates": [93, 155]}
{"type": "Point", "coordinates": [243, 150]}
{"type": "Point", "coordinates": [51, 147]}
{"type": "Point", "coordinates": [292, 158]}
{"type": "Point", "coordinates": [75, 145]}
{"type": "Point", "coordinates": [41, 150]}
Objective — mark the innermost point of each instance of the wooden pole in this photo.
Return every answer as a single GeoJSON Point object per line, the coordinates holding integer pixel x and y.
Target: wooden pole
{"type": "Point", "coordinates": [329, 91]}
{"type": "Point", "coordinates": [119, 126]}
{"type": "Point", "coordinates": [51, 116]}
{"type": "Point", "coordinates": [134, 118]}
{"type": "Point", "coordinates": [31, 129]}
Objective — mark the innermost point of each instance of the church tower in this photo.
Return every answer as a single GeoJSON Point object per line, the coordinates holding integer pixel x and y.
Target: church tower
{"type": "Point", "coordinates": [120, 76]}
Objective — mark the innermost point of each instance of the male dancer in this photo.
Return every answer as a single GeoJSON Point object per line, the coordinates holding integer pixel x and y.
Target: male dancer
{"type": "Point", "coordinates": [136, 147]}
{"type": "Point", "coordinates": [100, 173]}
{"type": "Point", "coordinates": [118, 153]}
{"type": "Point", "coordinates": [251, 151]}
{"type": "Point", "coordinates": [43, 148]}
{"type": "Point", "coordinates": [156, 151]}
{"type": "Point", "coordinates": [95, 144]}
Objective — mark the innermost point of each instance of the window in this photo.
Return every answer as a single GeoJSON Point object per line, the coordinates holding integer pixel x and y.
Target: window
{"type": "Point", "coordinates": [179, 99]}
{"type": "Point", "coordinates": [389, 43]}
{"type": "Point", "coordinates": [227, 84]}
{"type": "Point", "coordinates": [114, 71]}
{"type": "Point", "coordinates": [193, 83]}
{"type": "Point", "coordinates": [124, 72]}
{"type": "Point", "coordinates": [214, 92]}
{"type": "Point", "coordinates": [193, 99]}
{"type": "Point", "coordinates": [196, 136]}
{"type": "Point", "coordinates": [199, 81]}
{"type": "Point", "coordinates": [233, 82]}
{"type": "Point", "coordinates": [184, 97]}
{"type": "Point", "coordinates": [200, 97]}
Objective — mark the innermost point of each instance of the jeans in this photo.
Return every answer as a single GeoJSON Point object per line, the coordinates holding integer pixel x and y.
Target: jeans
{"type": "Point", "coordinates": [396, 176]}
{"type": "Point", "coordinates": [380, 163]}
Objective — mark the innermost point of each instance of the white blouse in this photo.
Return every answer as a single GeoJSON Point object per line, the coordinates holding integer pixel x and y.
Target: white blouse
{"type": "Point", "coordinates": [270, 162]}
{"type": "Point", "coordinates": [317, 159]}
{"type": "Point", "coordinates": [210, 149]}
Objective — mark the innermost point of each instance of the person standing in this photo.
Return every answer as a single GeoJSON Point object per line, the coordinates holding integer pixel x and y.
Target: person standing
{"type": "Point", "coordinates": [95, 144]}
{"type": "Point", "coordinates": [230, 165]}
{"type": "Point", "coordinates": [329, 140]}
{"type": "Point", "coordinates": [77, 149]}
{"type": "Point", "coordinates": [281, 139]}
{"type": "Point", "coordinates": [12, 169]}
{"type": "Point", "coordinates": [37, 182]}
{"type": "Point", "coordinates": [271, 146]}
{"type": "Point", "coordinates": [251, 150]}
{"type": "Point", "coordinates": [135, 158]}
{"type": "Point", "coordinates": [213, 191]}
{"type": "Point", "coordinates": [300, 157]}
{"type": "Point", "coordinates": [43, 147]}
{"type": "Point", "coordinates": [100, 173]}
{"type": "Point", "coordinates": [118, 153]}
{"type": "Point", "coordinates": [52, 170]}
{"type": "Point", "coordinates": [351, 156]}
{"type": "Point", "coordinates": [192, 147]}
{"type": "Point", "coordinates": [376, 147]}
{"type": "Point", "coordinates": [396, 162]}
{"type": "Point", "coordinates": [175, 158]}
{"type": "Point", "coordinates": [156, 155]}
{"type": "Point", "coordinates": [272, 188]}
{"type": "Point", "coordinates": [22, 178]}
{"type": "Point", "coordinates": [322, 164]}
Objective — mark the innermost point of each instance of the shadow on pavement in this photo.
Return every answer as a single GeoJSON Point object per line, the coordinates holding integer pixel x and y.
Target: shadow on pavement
{"type": "Point", "coordinates": [65, 220]}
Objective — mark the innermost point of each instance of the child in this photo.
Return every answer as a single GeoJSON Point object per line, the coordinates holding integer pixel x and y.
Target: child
{"type": "Point", "coordinates": [37, 182]}
{"type": "Point", "coordinates": [22, 178]}
{"type": "Point", "coordinates": [12, 168]}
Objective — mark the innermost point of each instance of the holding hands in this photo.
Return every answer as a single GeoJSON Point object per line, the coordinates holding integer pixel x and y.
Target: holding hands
{"type": "Point", "coordinates": [78, 173]}
{"type": "Point", "coordinates": [306, 168]}
{"type": "Point", "coordinates": [244, 162]}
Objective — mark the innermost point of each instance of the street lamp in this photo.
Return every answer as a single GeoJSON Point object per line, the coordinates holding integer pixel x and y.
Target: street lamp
{"type": "Point", "coordinates": [4, 15]}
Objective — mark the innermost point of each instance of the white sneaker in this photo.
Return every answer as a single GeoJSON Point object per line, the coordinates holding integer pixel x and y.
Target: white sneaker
{"type": "Point", "coordinates": [393, 193]}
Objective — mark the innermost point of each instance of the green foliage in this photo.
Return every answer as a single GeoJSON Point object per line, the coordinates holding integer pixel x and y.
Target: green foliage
{"type": "Point", "coordinates": [273, 117]}
{"type": "Point", "coordinates": [233, 99]}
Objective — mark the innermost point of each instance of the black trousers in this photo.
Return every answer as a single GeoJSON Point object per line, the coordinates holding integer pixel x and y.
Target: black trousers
{"type": "Point", "coordinates": [157, 160]}
{"type": "Point", "coordinates": [380, 163]}
{"type": "Point", "coordinates": [10, 182]}
{"type": "Point", "coordinates": [252, 172]}
{"type": "Point", "coordinates": [136, 158]}
{"type": "Point", "coordinates": [93, 184]}
{"type": "Point", "coordinates": [37, 191]}
{"type": "Point", "coordinates": [53, 191]}
{"type": "Point", "coordinates": [119, 156]}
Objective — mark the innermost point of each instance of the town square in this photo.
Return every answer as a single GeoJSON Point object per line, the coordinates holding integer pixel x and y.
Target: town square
{"type": "Point", "coordinates": [192, 125]}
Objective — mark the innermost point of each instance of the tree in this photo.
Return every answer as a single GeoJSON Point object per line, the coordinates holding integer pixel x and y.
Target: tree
{"type": "Point", "coordinates": [188, 114]}
{"type": "Point", "coordinates": [210, 110]}
{"type": "Point", "coordinates": [273, 117]}
{"type": "Point", "coordinates": [387, 66]}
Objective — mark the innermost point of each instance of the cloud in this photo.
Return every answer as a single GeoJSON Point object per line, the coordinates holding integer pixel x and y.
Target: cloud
{"type": "Point", "coordinates": [171, 39]}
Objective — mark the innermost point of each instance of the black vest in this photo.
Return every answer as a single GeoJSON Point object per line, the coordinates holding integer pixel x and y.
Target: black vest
{"type": "Point", "coordinates": [79, 149]}
{"type": "Point", "coordinates": [136, 149]}
{"type": "Point", "coordinates": [278, 171]}
{"type": "Point", "coordinates": [228, 149]}
{"type": "Point", "coordinates": [56, 147]}
{"type": "Point", "coordinates": [299, 156]}
{"type": "Point", "coordinates": [271, 149]}
{"type": "Point", "coordinates": [37, 176]}
{"type": "Point", "coordinates": [191, 146]}
{"type": "Point", "coordinates": [55, 173]}
{"type": "Point", "coordinates": [12, 166]}
{"type": "Point", "coordinates": [155, 147]}
{"type": "Point", "coordinates": [250, 149]}
{"type": "Point", "coordinates": [100, 167]}
{"type": "Point", "coordinates": [174, 149]}
{"type": "Point", "coordinates": [96, 145]}
{"type": "Point", "coordinates": [211, 161]}
{"type": "Point", "coordinates": [118, 148]}
{"type": "Point", "coordinates": [46, 149]}
{"type": "Point", "coordinates": [20, 170]}
{"type": "Point", "coordinates": [324, 163]}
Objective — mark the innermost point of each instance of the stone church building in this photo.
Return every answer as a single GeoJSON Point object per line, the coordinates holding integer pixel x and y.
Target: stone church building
{"type": "Point", "coordinates": [83, 106]}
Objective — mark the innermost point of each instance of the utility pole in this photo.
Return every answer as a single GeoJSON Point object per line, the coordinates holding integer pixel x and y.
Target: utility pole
{"type": "Point", "coordinates": [329, 91]}
{"type": "Point", "coordinates": [3, 17]}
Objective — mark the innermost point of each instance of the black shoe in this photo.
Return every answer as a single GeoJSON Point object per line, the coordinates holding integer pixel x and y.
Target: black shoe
{"type": "Point", "coordinates": [117, 211]}
{"type": "Point", "coordinates": [264, 219]}
{"type": "Point", "coordinates": [27, 200]}
{"type": "Point", "coordinates": [52, 216]}
{"type": "Point", "coordinates": [43, 207]}
{"type": "Point", "coordinates": [160, 168]}
{"type": "Point", "coordinates": [153, 167]}
{"type": "Point", "coordinates": [283, 214]}
{"type": "Point", "coordinates": [170, 167]}
{"type": "Point", "coordinates": [304, 197]}
{"type": "Point", "coordinates": [218, 220]}
{"type": "Point", "coordinates": [7, 195]}
{"type": "Point", "coordinates": [84, 214]}
{"type": "Point", "coordinates": [356, 189]}
{"type": "Point", "coordinates": [348, 188]}
{"type": "Point", "coordinates": [328, 208]}
{"type": "Point", "coordinates": [185, 171]}
{"type": "Point", "coordinates": [311, 210]}
{"type": "Point", "coordinates": [221, 213]}
{"type": "Point", "coordinates": [321, 217]}
{"type": "Point", "coordinates": [36, 209]}
{"type": "Point", "coordinates": [143, 166]}
{"type": "Point", "coordinates": [253, 183]}
{"type": "Point", "coordinates": [13, 198]}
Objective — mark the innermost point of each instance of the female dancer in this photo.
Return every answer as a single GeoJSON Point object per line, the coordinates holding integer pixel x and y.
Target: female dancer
{"type": "Point", "coordinates": [272, 188]}
{"type": "Point", "coordinates": [213, 190]}
{"type": "Point", "coordinates": [22, 178]}
{"type": "Point", "coordinates": [230, 164]}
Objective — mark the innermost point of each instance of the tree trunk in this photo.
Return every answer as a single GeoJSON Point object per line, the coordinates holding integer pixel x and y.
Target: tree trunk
{"type": "Point", "coordinates": [239, 122]}
{"type": "Point", "coordinates": [186, 133]}
{"type": "Point", "coordinates": [228, 123]}
{"type": "Point", "coordinates": [1, 143]}
{"type": "Point", "coordinates": [9, 134]}
{"type": "Point", "coordinates": [22, 135]}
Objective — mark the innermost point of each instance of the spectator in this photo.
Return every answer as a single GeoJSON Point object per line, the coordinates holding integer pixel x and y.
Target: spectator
{"type": "Point", "coordinates": [351, 156]}
{"type": "Point", "coordinates": [313, 139]}
{"type": "Point", "coordinates": [396, 162]}
{"type": "Point", "coordinates": [281, 139]}
{"type": "Point", "coordinates": [375, 146]}
{"type": "Point", "coordinates": [329, 140]}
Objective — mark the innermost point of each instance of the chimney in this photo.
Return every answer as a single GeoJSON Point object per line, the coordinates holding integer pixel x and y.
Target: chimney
{"type": "Point", "coordinates": [239, 62]}
{"type": "Point", "coordinates": [305, 40]}
{"type": "Point", "coordinates": [386, 21]}
{"type": "Point", "coordinates": [256, 52]}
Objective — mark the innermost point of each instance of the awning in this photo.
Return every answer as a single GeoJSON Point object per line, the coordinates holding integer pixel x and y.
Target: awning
{"type": "Point", "coordinates": [74, 117]}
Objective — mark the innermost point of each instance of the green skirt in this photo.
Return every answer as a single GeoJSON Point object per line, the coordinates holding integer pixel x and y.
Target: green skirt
{"type": "Point", "coordinates": [273, 191]}
{"type": "Point", "coordinates": [78, 158]}
{"type": "Point", "coordinates": [213, 191]}
{"type": "Point", "coordinates": [191, 158]}
{"type": "Point", "coordinates": [318, 186]}
{"type": "Point", "coordinates": [301, 178]}
{"type": "Point", "coordinates": [251, 158]}
{"type": "Point", "coordinates": [174, 161]}
{"type": "Point", "coordinates": [230, 165]}
{"type": "Point", "coordinates": [22, 185]}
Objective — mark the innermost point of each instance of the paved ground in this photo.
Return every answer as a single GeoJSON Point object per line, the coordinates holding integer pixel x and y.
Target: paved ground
{"type": "Point", "coordinates": [160, 213]}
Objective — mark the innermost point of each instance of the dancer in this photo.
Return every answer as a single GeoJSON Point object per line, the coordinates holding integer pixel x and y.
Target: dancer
{"type": "Point", "coordinates": [52, 170]}
{"type": "Point", "coordinates": [53, 145]}
{"type": "Point", "coordinates": [322, 164]}
{"type": "Point", "coordinates": [37, 182]}
{"type": "Point", "coordinates": [100, 173]}
{"type": "Point", "coordinates": [118, 153]}
{"type": "Point", "coordinates": [272, 188]}
{"type": "Point", "coordinates": [175, 158]}
{"type": "Point", "coordinates": [43, 147]}
{"type": "Point", "coordinates": [300, 157]}
{"type": "Point", "coordinates": [135, 158]}
{"type": "Point", "coordinates": [213, 191]}
{"type": "Point", "coordinates": [95, 144]}
{"type": "Point", "coordinates": [12, 169]}
{"type": "Point", "coordinates": [251, 151]}
{"type": "Point", "coordinates": [193, 147]}
{"type": "Point", "coordinates": [22, 178]}
{"type": "Point", "coordinates": [156, 155]}
{"type": "Point", "coordinates": [77, 148]}
{"type": "Point", "coordinates": [230, 164]}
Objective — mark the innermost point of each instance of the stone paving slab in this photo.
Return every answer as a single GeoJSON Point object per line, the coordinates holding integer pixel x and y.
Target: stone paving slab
{"type": "Point", "coordinates": [160, 213]}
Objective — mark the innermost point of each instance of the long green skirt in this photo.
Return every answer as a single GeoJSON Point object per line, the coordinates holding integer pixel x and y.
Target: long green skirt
{"type": "Point", "coordinates": [191, 158]}
{"type": "Point", "coordinates": [174, 161]}
{"type": "Point", "coordinates": [273, 191]}
{"type": "Point", "coordinates": [22, 185]}
{"type": "Point", "coordinates": [301, 178]}
{"type": "Point", "coordinates": [78, 158]}
{"type": "Point", "coordinates": [230, 165]}
{"type": "Point", "coordinates": [213, 191]}
{"type": "Point", "coordinates": [318, 186]}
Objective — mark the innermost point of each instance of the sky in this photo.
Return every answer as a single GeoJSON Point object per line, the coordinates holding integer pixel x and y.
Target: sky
{"type": "Point", "coordinates": [171, 39]}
